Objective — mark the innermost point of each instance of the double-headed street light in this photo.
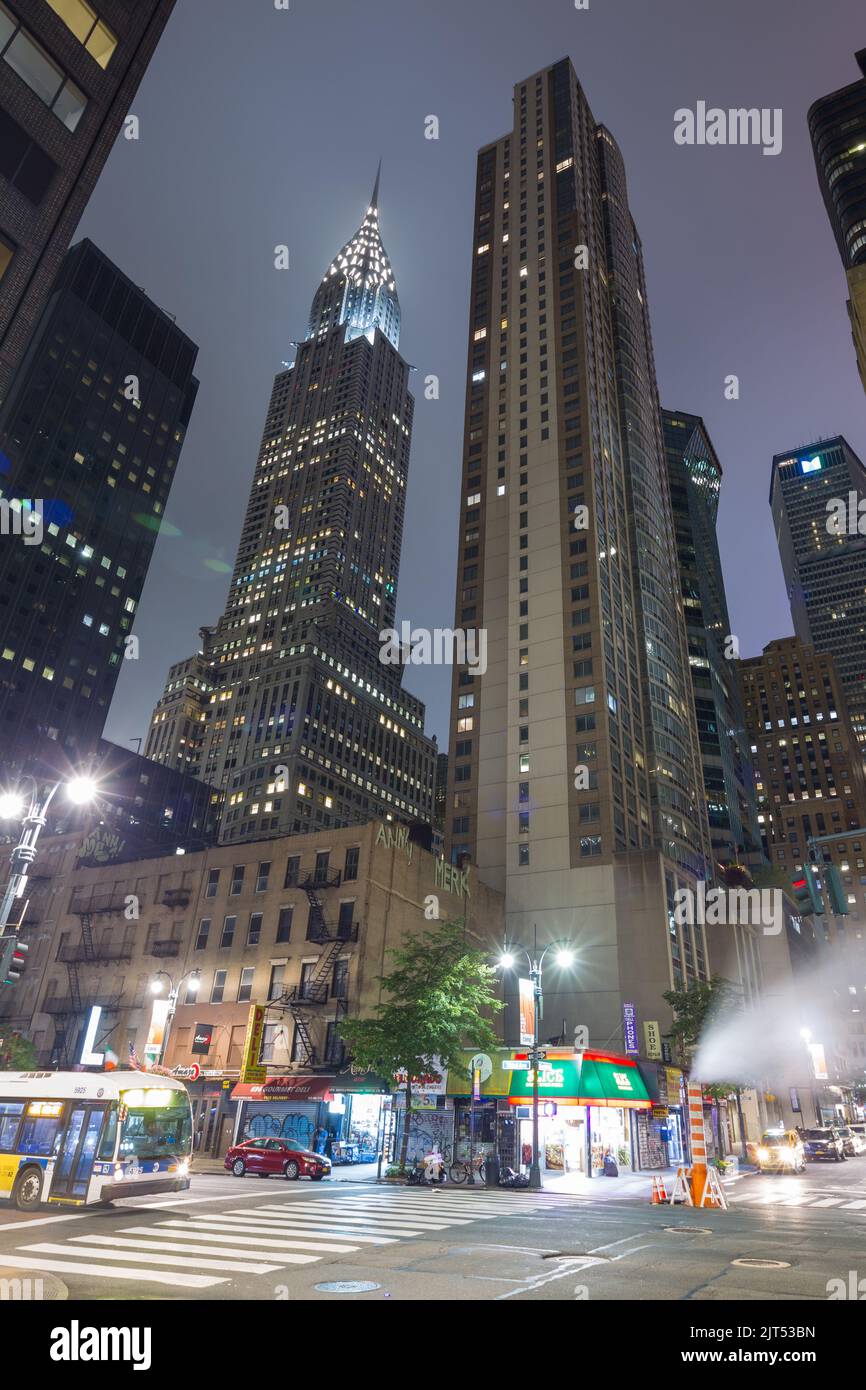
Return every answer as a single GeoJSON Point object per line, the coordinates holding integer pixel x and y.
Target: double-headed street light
{"type": "Point", "coordinates": [157, 987]}
{"type": "Point", "coordinates": [13, 806]}
{"type": "Point", "coordinates": [564, 957]}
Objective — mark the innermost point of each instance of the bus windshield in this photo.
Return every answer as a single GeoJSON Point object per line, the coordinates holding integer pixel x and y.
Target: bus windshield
{"type": "Point", "coordinates": [156, 1131]}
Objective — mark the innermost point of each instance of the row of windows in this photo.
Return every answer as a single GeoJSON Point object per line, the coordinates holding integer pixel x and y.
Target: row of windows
{"type": "Point", "coordinates": [315, 926]}
{"type": "Point", "coordinates": [292, 874]}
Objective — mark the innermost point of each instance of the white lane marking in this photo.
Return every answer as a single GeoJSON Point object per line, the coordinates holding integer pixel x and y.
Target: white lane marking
{"type": "Point", "coordinates": [39, 1221]}
{"type": "Point", "coordinates": [853, 1206]}
{"type": "Point", "coordinates": [331, 1228]}
{"type": "Point", "coordinates": [277, 1225]}
{"type": "Point", "coordinates": [376, 1218]}
{"type": "Point", "coordinates": [827, 1202]}
{"type": "Point", "coordinates": [229, 1238]}
{"type": "Point", "coordinates": [141, 1276]}
{"type": "Point", "coordinates": [104, 1252]}
{"type": "Point", "coordinates": [571, 1268]}
{"type": "Point", "coordinates": [407, 1225]}
{"type": "Point", "coordinates": [186, 1247]}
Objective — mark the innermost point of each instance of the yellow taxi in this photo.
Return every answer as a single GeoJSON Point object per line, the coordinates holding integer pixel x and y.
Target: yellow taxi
{"type": "Point", "coordinates": [781, 1151]}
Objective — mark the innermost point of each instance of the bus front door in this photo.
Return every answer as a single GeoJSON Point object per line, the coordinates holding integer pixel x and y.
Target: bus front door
{"type": "Point", "coordinates": [78, 1143]}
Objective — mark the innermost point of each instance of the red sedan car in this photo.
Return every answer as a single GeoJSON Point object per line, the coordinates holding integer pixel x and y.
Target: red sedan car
{"type": "Point", "coordinates": [266, 1157]}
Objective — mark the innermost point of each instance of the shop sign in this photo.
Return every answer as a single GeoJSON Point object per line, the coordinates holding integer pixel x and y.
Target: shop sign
{"type": "Point", "coordinates": [201, 1039]}
{"type": "Point", "coordinates": [156, 1031]}
{"type": "Point", "coordinates": [629, 1028]}
{"type": "Point", "coordinates": [526, 1000]}
{"type": "Point", "coordinates": [674, 1084]}
{"type": "Point", "coordinates": [395, 837]}
{"type": "Point", "coordinates": [652, 1038]}
{"type": "Point", "coordinates": [660, 1112]}
{"type": "Point", "coordinates": [251, 1068]}
{"type": "Point", "coordinates": [452, 879]}
{"type": "Point", "coordinates": [190, 1073]}
{"type": "Point", "coordinates": [819, 1061]}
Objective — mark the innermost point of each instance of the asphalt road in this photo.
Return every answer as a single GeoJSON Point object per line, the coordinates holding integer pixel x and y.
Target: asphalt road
{"type": "Point", "coordinates": [230, 1238]}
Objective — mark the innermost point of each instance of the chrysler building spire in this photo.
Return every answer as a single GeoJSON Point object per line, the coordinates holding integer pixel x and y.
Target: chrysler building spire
{"type": "Point", "coordinates": [358, 288]}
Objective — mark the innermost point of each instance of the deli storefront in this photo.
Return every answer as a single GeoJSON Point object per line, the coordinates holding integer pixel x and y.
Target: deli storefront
{"type": "Point", "coordinates": [282, 1107]}
{"type": "Point", "coordinates": [589, 1102]}
{"type": "Point", "coordinates": [588, 1106]}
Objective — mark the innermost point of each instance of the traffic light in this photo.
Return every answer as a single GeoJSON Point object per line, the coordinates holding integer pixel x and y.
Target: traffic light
{"type": "Point", "coordinates": [13, 958]}
{"type": "Point", "coordinates": [806, 892]}
{"type": "Point", "coordinates": [836, 890]}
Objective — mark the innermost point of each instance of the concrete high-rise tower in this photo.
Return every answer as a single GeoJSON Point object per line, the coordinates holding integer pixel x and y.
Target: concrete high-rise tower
{"type": "Point", "coordinates": [824, 557]}
{"type": "Point", "coordinates": [303, 724]}
{"type": "Point", "coordinates": [837, 126]}
{"type": "Point", "coordinates": [574, 775]}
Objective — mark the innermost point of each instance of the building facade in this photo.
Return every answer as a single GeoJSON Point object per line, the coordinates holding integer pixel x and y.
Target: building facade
{"type": "Point", "coordinates": [91, 433]}
{"type": "Point", "coordinates": [574, 777]}
{"type": "Point", "coordinates": [809, 773]}
{"type": "Point", "coordinates": [817, 496]}
{"type": "Point", "coordinates": [694, 478]}
{"type": "Point", "coordinates": [305, 725]}
{"type": "Point", "coordinates": [69, 72]}
{"type": "Point", "coordinates": [301, 926]}
{"type": "Point", "coordinates": [837, 127]}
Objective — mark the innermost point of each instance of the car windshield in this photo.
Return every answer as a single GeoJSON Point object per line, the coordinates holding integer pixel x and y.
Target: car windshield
{"type": "Point", "coordinates": [844, 1131]}
{"type": "Point", "coordinates": [773, 1137]}
{"type": "Point", "coordinates": [818, 1134]}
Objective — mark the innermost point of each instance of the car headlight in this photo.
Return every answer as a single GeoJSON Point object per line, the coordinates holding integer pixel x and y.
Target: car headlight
{"type": "Point", "coordinates": [763, 1154]}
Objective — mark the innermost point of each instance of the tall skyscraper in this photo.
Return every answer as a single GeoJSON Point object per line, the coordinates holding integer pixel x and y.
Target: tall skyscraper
{"type": "Point", "coordinates": [810, 777]}
{"type": "Point", "coordinates": [90, 436]}
{"type": "Point", "coordinates": [69, 71]}
{"type": "Point", "coordinates": [695, 478]}
{"type": "Point", "coordinates": [837, 126]}
{"type": "Point", "coordinates": [304, 725]}
{"type": "Point", "coordinates": [824, 563]}
{"type": "Point", "coordinates": [574, 776]}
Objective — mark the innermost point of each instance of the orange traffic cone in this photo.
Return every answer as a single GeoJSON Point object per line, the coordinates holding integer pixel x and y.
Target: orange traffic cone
{"type": "Point", "coordinates": [659, 1196]}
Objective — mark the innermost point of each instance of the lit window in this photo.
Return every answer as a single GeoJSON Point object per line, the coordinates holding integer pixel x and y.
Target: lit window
{"type": "Point", "coordinates": [87, 27]}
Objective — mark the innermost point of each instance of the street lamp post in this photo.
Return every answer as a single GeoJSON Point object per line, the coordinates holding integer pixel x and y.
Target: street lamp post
{"type": "Point", "coordinates": [564, 957]}
{"type": "Point", "coordinates": [194, 977]}
{"type": "Point", "coordinates": [80, 790]}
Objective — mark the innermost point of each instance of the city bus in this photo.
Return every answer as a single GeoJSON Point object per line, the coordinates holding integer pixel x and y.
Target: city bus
{"type": "Point", "coordinates": [76, 1138]}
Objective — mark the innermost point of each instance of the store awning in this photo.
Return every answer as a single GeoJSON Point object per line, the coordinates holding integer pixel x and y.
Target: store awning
{"type": "Point", "coordinates": [285, 1088]}
{"type": "Point", "coordinates": [591, 1079]}
{"type": "Point", "coordinates": [352, 1083]}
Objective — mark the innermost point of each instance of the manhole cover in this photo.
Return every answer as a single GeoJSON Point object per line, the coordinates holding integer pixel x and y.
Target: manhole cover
{"type": "Point", "coordinates": [761, 1264]}
{"type": "Point", "coordinates": [348, 1286]}
{"type": "Point", "coordinates": [688, 1230]}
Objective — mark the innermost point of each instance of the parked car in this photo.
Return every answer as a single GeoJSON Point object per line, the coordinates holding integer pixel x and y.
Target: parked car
{"type": "Point", "coordinates": [268, 1157]}
{"type": "Point", "coordinates": [823, 1143]}
{"type": "Point", "coordinates": [852, 1142]}
{"type": "Point", "coordinates": [781, 1151]}
{"type": "Point", "coordinates": [859, 1128]}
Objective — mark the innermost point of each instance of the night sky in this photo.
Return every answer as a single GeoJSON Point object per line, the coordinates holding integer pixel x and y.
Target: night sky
{"type": "Point", "coordinates": [261, 127]}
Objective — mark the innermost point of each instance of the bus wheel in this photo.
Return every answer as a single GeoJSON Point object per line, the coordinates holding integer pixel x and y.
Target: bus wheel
{"type": "Point", "coordinates": [27, 1192]}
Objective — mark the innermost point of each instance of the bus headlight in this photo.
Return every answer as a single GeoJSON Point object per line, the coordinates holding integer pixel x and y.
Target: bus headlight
{"type": "Point", "coordinates": [183, 1168]}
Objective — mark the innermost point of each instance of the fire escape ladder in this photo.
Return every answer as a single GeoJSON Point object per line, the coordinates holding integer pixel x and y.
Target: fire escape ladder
{"type": "Point", "coordinates": [302, 1025]}
{"type": "Point", "coordinates": [87, 935]}
{"type": "Point", "coordinates": [74, 987]}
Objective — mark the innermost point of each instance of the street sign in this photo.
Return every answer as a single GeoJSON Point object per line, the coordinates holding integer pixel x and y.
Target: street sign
{"type": "Point", "coordinates": [519, 1065]}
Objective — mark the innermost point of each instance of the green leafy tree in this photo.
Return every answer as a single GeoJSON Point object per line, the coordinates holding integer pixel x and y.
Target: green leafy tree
{"type": "Point", "coordinates": [695, 1011]}
{"type": "Point", "coordinates": [438, 999]}
{"type": "Point", "coordinates": [17, 1053]}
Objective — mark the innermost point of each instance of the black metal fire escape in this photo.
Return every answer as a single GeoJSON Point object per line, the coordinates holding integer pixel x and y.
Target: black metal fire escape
{"type": "Point", "coordinates": [315, 989]}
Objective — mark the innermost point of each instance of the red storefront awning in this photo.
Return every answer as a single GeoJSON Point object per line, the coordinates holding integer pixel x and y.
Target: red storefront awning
{"type": "Point", "coordinates": [285, 1088]}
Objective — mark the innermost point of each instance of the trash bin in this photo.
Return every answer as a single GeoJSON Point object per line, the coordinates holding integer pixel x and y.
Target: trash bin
{"type": "Point", "coordinates": [491, 1170]}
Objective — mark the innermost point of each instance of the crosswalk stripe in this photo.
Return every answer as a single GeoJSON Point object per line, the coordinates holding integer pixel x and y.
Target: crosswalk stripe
{"type": "Point", "coordinates": [266, 1242]}
{"type": "Point", "coordinates": [277, 1225]}
{"type": "Point", "coordinates": [827, 1202]}
{"type": "Point", "coordinates": [149, 1276]}
{"type": "Point", "coordinates": [142, 1257]}
{"type": "Point", "coordinates": [336, 1217]}
{"type": "Point", "coordinates": [218, 1223]}
{"type": "Point", "coordinates": [185, 1247]}
{"type": "Point", "coordinates": [853, 1206]}
{"type": "Point", "coordinates": [433, 1220]}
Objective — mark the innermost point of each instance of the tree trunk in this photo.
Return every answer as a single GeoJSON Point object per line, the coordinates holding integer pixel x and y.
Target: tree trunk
{"type": "Point", "coordinates": [404, 1147]}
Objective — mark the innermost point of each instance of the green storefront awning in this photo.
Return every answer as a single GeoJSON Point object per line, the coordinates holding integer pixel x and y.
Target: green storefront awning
{"type": "Point", "coordinates": [590, 1081]}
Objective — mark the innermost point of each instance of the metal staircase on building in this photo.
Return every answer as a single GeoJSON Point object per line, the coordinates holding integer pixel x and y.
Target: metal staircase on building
{"type": "Point", "coordinates": [315, 990]}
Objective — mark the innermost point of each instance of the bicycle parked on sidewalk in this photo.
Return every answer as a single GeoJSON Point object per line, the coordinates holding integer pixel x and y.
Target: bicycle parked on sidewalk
{"type": "Point", "coordinates": [460, 1170]}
